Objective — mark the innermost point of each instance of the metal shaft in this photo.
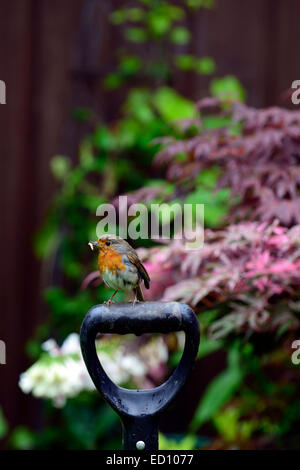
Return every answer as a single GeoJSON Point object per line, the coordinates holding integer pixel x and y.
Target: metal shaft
{"type": "Point", "coordinates": [140, 429]}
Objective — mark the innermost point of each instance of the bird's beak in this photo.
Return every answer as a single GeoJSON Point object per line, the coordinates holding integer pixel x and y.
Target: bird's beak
{"type": "Point", "coordinates": [92, 245]}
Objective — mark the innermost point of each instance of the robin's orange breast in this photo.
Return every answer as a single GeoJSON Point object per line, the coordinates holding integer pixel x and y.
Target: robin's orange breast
{"type": "Point", "coordinates": [111, 260]}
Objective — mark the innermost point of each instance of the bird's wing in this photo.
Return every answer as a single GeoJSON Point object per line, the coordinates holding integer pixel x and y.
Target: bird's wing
{"type": "Point", "coordinates": [133, 258]}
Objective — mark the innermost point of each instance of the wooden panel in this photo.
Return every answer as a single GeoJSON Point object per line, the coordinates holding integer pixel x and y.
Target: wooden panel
{"type": "Point", "coordinates": [35, 57]}
{"type": "Point", "coordinates": [15, 117]}
{"type": "Point", "coordinates": [288, 66]}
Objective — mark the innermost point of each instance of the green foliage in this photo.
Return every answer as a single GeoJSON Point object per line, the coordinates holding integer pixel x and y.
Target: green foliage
{"type": "Point", "coordinates": [67, 311]}
{"type": "Point", "coordinates": [84, 423]}
{"type": "Point", "coordinates": [172, 106]}
{"type": "Point", "coordinates": [205, 65]}
{"type": "Point", "coordinates": [81, 114]}
{"type": "Point", "coordinates": [188, 442]}
{"type": "Point", "coordinates": [129, 65]}
{"type": "Point", "coordinates": [180, 35]}
{"type": "Point", "coordinates": [162, 25]}
{"type": "Point", "coordinates": [185, 61]}
{"type": "Point", "coordinates": [216, 204]}
{"type": "Point", "coordinates": [60, 166]}
{"type": "Point", "coordinates": [208, 346]}
{"type": "Point", "coordinates": [220, 390]}
{"type": "Point", "coordinates": [228, 425]}
{"type": "Point", "coordinates": [22, 438]}
{"type": "Point", "coordinates": [201, 3]}
{"type": "Point", "coordinates": [113, 81]}
{"type": "Point", "coordinates": [130, 14]}
{"type": "Point", "coordinates": [85, 427]}
{"type": "Point", "coordinates": [3, 425]}
{"type": "Point", "coordinates": [136, 34]}
{"type": "Point", "coordinates": [228, 89]}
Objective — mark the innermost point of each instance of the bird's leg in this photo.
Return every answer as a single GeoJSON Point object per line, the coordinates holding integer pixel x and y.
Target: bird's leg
{"type": "Point", "coordinates": [135, 300]}
{"type": "Point", "coordinates": [108, 302]}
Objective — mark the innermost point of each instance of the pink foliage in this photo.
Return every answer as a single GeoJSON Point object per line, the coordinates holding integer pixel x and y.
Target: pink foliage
{"type": "Point", "coordinates": [260, 164]}
{"type": "Point", "coordinates": [244, 266]}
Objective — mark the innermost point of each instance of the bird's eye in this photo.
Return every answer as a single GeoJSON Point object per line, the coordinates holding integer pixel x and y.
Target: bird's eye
{"type": "Point", "coordinates": [107, 243]}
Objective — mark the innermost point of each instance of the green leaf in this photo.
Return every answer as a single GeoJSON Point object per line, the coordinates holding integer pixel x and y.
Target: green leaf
{"type": "Point", "coordinates": [216, 204]}
{"type": "Point", "coordinates": [92, 201]}
{"type": "Point", "coordinates": [22, 438]}
{"type": "Point", "coordinates": [118, 17]}
{"type": "Point", "coordinates": [215, 122]}
{"type": "Point", "coordinates": [200, 3]}
{"type": "Point", "coordinates": [188, 442]}
{"type": "Point", "coordinates": [205, 66]}
{"type": "Point", "coordinates": [60, 166]}
{"type": "Point", "coordinates": [86, 156]}
{"type": "Point", "coordinates": [208, 346]}
{"type": "Point", "coordinates": [86, 426]}
{"type": "Point", "coordinates": [233, 357]}
{"type": "Point", "coordinates": [158, 23]}
{"type": "Point", "coordinates": [127, 14]}
{"type": "Point", "coordinates": [219, 391]}
{"type": "Point", "coordinates": [46, 240]}
{"type": "Point", "coordinates": [113, 81]}
{"type": "Point", "coordinates": [227, 424]}
{"type": "Point", "coordinates": [81, 114]}
{"type": "Point", "coordinates": [173, 106]}
{"type": "Point", "coordinates": [136, 34]}
{"type": "Point", "coordinates": [208, 178]}
{"type": "Point", "coordinates": [134, 14]}
{"type": "Point", "coordinates": [128, 132]}
{"type": "Point", "coordinates": [180, 35]}
{"type": "Point", "coordinates": [185, 61]}
{"type": "Point", "coordinates": [72, 268]}
{"type": "Point", "coordinates": [138, 105]}
{"type": "Point", "coordinates": [130, 65]}
{"type": "Point", "coordinates": [103, 139]}
{"type": "Point", "coordinates": [228, 89]}
{"type": "Point", "coordinates": [3, 425]}
{"type": "Point", "coordinates": [174, 12]}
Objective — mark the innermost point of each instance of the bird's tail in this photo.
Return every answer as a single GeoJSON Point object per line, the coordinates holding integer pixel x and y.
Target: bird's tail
{"type": "Point", "coordinates": [139, 294]}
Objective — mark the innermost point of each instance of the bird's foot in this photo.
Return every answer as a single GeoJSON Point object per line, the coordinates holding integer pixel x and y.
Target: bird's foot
{"type": "Point", "coordinates": [108, 302]}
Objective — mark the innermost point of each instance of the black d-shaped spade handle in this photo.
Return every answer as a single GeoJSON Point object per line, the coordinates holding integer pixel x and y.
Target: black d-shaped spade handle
{"type": "Point", "coordinates": [139, 410]}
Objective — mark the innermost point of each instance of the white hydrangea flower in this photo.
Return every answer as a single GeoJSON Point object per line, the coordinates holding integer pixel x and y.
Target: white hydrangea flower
{"type": "Point", "coordinates": [51, 347]}
{"type": "Point", "coordinates": [112, 366]}
{"type": "Point", "coordinates": [155, 352]}
{"type": "Point", "coordinates": [71, 344]}
{"type": "Point", "coordinates": [133, 365]}
{"type": "Point", "coordinates": [62, 374]}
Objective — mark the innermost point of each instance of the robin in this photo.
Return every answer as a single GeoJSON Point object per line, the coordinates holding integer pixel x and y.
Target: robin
{"type": "Point", "coordinates": [120, 266]}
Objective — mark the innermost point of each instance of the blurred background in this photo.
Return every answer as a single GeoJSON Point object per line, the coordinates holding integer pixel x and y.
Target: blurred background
{"type": "Point", "coordinates": [91, 84]}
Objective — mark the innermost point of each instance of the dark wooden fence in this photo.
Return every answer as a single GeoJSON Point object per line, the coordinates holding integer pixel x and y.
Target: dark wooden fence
{"type": "Point", "coordinates": [50, 56]}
